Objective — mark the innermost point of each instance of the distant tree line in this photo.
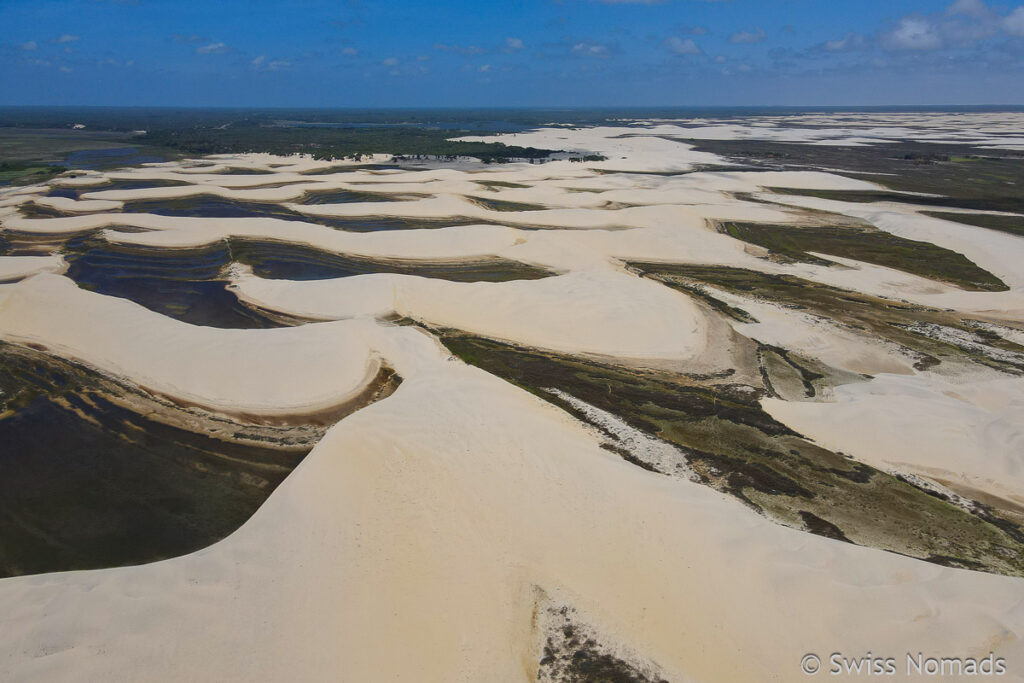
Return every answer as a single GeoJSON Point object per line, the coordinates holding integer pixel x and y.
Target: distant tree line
{"type": "Point", "coordinates": [334, 143]}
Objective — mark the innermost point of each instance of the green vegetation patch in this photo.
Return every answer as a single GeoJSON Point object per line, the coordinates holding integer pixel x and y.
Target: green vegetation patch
{"type": "Point", "coordinates": [32, 210]}
{"type": "Point", "coordinates": [499, 205]}
{"type": "Point", "coordinates": [329, 143]}
{"type": "Point", "coordinates": [500, 183]}
{"type": "Point", "coordinates": [990, 180]}
{"type": "Point", "coordinates": [871, 246]}
{"type": "Point", "coordinates": [52, 145]}
{"type": "Point", "coordinates": [278, 260]}
{"type": "Point", "coordinates": [929, 335]}
{"type": "Point", "coordinates": [868, 196]}
{"type": "Point", "coordinates": [1011, 224]}
{"type": "Point", "coordinates": [574, 653]}
{"type": "Point", "coordinates": [27, 173]}
{"type": "Point", "coordinates": [734, 446]}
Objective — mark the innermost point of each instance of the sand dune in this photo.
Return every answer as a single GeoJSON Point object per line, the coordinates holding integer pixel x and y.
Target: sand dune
{"type": "Point", "coordinates": [964, 435]}
{"type": "Point", "coordinates": [406, 547]}
{"type": "Point", "coordinates": [18, 267]}
{"type": "Point", "coordinates": [603, 312]}
{"type": "Point", "coordinates": [427, 535]}
{"type": "Point", "coordinates": [240, 371]}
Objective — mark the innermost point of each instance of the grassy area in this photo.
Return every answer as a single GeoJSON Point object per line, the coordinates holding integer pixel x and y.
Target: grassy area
{"type": "Point", "coordinates": [52, 145]}
{"type": "Point", "coordinates": [1011, 224]}
{"type": "Point", "coordinates": [500, 205]}
{"type": "Point", "coordinates": [15, 173]}
{"type": "Point", "coordinates": [902, 324]}
{"type": "Point", "coordinates": [871, 246]}
{"type": "Point", "coordinates": [492, 184]}
{"type": "Point", "coordinates": [575, 653]}
{"type": "Point", "coordinates": [963, 176]}
{"type": "Point", "coordinates": [49, 134]}
{"type": "Point", "coordinates": [975, 202]}
{"type": "Point", "coordinates": [734, 446]}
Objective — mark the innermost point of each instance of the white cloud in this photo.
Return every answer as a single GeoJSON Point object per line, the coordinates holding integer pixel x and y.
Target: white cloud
{"type": "Point", "coordinates": [469, 50]}
{"type": "Point", "coordinates": [30, 45]}
{"type": "Point", "coordinates": [1014, 24]}
{"type": "Point", "coordinates": [848, 43]}
{"type": "Point", "coordinates": [590, 49]}
{"type": "Point", "coordinates": [262, 64]}
{"type": "Point", "coordinates": [513, 44]}
{"type": "Point", "coordinates": [66, 38]}
{"type": "Point", "coordinates": [913, 33]}
{"type": "Point", "coordinates": [484, 68]}
{"type": "Point", "coordinates": [755, 36]}
{"type": "Point", "coordinates": [390, 61]}
{"type": "Point", "coordinates": [211, 49]}
{"type": "Point", "coordinates": [682, 46]}
{"type": "Point", "coordinates": [66, 69]}
{"type": "Point", "coordinates": [349, 51]}
{"type": "Point", "coordinates": [963, 24]}
{"type": "Point", "coordinates": [971, 8]}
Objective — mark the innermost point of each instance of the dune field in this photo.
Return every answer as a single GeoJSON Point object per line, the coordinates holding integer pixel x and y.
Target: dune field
{"type": "Point", "coordinates": [666, 416]}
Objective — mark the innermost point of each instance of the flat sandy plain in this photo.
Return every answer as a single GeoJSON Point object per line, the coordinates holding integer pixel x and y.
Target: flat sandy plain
{"type": "Point", "coordinates": [496, 518]}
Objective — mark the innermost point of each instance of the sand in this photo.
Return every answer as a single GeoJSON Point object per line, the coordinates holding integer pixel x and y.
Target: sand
{"type": "Point", "coordinates": [13, 268]}
{"type": "Point", "coordinates": [263, 372]}
{"type": "Point", "coordinates": [425, 535]}
{"type": "Point", "coordinates": [967, 436]}
{"type": "Point", "coordinates": [599, 312]}
{"type": "Point", "coordinates": [406, 548]}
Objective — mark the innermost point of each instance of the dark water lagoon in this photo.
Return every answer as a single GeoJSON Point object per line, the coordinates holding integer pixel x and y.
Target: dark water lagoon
{"type": "Point", "coordinates": [191, 285]}
{"type": "Point", "coordinates": [97, 159]}
{"type": "Point", "coordinates": [86, 482]}
{"type": "Point", "coordinates": [211, 206]}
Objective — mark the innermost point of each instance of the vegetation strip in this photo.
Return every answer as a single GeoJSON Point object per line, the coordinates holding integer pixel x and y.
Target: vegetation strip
{"type": "Point", "coordinates": [732, 445]}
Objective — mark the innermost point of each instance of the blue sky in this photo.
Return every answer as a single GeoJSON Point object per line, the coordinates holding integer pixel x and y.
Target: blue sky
{"type": "Point", "coordinates": [366, 53]}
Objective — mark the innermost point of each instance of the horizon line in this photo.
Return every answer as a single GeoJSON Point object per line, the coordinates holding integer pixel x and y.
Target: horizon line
{"type": "Point", "coordinates": [515, 107]}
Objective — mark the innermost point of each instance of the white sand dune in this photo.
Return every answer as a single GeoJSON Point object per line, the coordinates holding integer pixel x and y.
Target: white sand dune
{"type": "Point", "coordinates": [412, 543]}
{"type": "Point", "coordinates": [18, 267]}
{"type": "Point", "coordinates": [78, 205]}
{"type": "Point", "coordinates": [957, 433]}
{"type": "Point", "coordinates": [597, 312]}
{"type": "Point", "coordinates": [992, 130]}
{"type": "Point", "coordinates": [263, 372]}
{"type": "Point", "coordinates": [407, 545]}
